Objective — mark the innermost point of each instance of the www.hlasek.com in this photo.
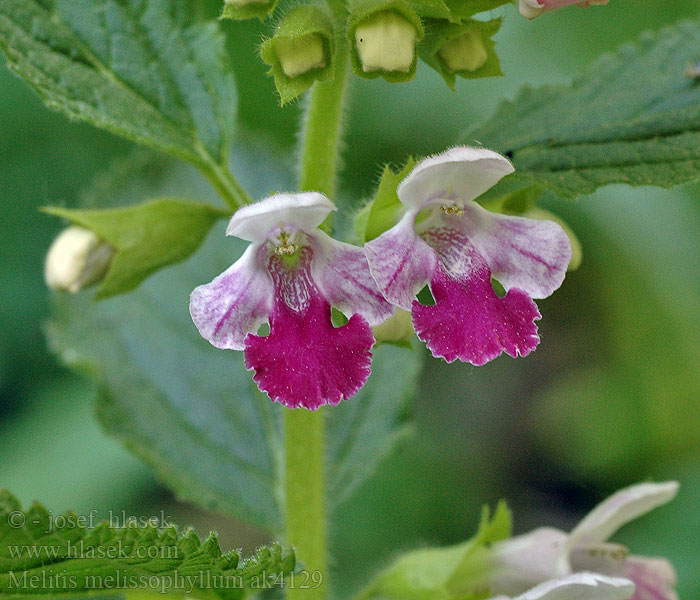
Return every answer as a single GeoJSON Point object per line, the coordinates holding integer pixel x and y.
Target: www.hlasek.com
{"type": "Point", "coordinates": [48, 579]}
{"type": "Point", "coordinates": [80, 550]}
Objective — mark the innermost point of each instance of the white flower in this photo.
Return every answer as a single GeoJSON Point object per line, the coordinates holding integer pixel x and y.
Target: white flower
{"type": "Point", "coordinates": [581, 586]}
{"type": "Point", "coordinates": [546, 553]}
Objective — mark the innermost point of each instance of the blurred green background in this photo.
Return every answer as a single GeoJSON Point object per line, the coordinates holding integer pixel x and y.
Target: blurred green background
{"type": "Point", "coordinates": [611, 397]}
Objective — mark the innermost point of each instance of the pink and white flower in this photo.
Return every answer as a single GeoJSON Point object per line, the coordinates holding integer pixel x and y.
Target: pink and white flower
{"type": "Point", "coordinates": [448, 241]}
{"type": "Point", "coordinates": [290, 276]}
{"type": "Point", "coordinates": [590, 586]}
{"type": "Point", "coordinates": [534, 8]}
{"type": "Point", "coordinates": [516, 564]}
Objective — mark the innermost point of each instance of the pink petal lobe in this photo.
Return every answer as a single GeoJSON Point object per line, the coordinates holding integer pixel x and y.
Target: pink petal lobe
{"type": "Point", "coordinates": [306, 361]}
{"type": "Point", "coordinates": [654, 578]}
{"type": "Point", "coordinates": [401, 262]}
{"type": "Point", "coordinates": [528, 254]}
{"type": "Point", "coordinates": [234, 303]}
{"type": "Point", "coordinates": [469, 321]}
{"type": "Point", "coordinates": [342, 273]}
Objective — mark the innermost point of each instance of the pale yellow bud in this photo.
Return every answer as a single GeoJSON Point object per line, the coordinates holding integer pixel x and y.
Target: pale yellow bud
{"type": "Point", "coordinates": [76, 259]}
{"type": "Point", "coordinates": [464, 53]}
{"type": "Point", "coordinates": [386, 42]}
{"type": "Point", "coordinates": [300, 55]}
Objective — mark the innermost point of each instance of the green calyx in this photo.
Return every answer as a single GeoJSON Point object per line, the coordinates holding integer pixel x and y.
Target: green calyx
{"type": "Point", "coordinates": [240, 10]}
{"type": "Point", "coordinates": [300, 52]}
{"type": "Point", "coordinates": [383, 36]}
{"type": "Point", "coordinates": [463, 49]}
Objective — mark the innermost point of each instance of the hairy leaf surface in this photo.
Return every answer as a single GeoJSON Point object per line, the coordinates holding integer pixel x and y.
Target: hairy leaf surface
{"type": "Point", "coordinates": [634, 118]}
{"type": "Point", "coordinates": [135, 67]}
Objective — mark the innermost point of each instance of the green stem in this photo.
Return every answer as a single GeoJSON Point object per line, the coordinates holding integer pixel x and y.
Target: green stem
{"type": "Point", "coordinates": [305, 491]}
{"type": "Point", "coordinates": [322, 128]}
{"type": "Point", "coordinates": [305, 498]}
{"type": "Point", "coordinates": [225, 183]}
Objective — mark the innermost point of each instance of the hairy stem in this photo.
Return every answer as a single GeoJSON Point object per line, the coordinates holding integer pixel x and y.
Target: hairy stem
{"type": "Point", "coordinates": [323, 128]}
{"type": "Point", "coordinates": [305, 499]}
{"type": "Point", "coordinates": [305, 492]}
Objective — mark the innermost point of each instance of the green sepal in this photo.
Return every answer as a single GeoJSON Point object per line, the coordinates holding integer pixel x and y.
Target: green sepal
{"type": "Point", "coordinates": [146, 237]}
{"type": "Point", "coordinates": [452, 573]}
{"type": "Point", "coordinates": [249, 10]}
{"type": "Point", "coordinates": [463, 9]}
{"type": "Point", "coordinates": [441, 32]}
{"type": "Point", "coordinates": [301, 22]}
{"type": "Point", "coordinates": [363, 11]}
{"type": "Point", "coordinates": [435, 9]}
{"type": "Point", "coordinates": [44, 555]}
{"type": "Point", "coordinates": [515, 202]}
{"type": "Point", "coordinates": [454, 10]}
{"type": "Point", "coordinates": [384, 211]}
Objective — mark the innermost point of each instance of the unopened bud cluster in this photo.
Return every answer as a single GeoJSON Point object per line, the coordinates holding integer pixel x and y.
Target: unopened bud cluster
{"type": "Point", "coordinates": [386, 38]}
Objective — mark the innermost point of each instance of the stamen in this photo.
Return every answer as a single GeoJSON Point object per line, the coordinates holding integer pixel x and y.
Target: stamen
{"type": "Point", "coordinates": [451, 208]}
{"type": "Point", "coordinates": [615, 554]}
{"type": "Point", "coordinates": [286, 248]}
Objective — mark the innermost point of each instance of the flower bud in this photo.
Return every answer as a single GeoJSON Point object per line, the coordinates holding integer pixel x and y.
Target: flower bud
{"type": "Point", "coordinates": [384, 39]}
{"type": "Point", "coordinates": [464, 49]}
{"type": "Point", "coordinates": [464, 53]}
{"type": "Point", "coordinates": [76, 259]}
{"type": "Point", "coordinates": [301, 55]}
{"type": "Point", "coordinates": [386, 42]}
{"type": "Point", "coordinates": [301, 51]}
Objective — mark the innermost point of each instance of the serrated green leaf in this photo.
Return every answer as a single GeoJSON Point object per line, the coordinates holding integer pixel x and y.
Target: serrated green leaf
{"type": "Point", "coordinates": [146, 237]}
{"type": "Point", "coordinates": [633, 118]}
{"type": "Point", "coordinates": [134, 67]}
{"type": "Point", "coordinates": [384, 210]}
{"type": "Point", "coordinates": [443, 573]}
{"type": "Point", "coordinates": [192, 411]}
{"type": "Point", "coordinates": [42, 554]}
